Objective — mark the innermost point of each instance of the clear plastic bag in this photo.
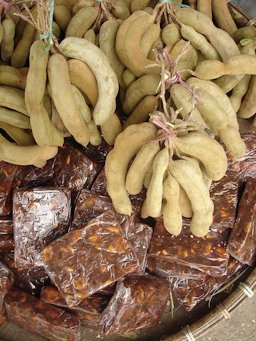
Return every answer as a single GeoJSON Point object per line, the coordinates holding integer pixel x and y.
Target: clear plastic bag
{"type": "Point", "coordinates": [7, 179]}
{"type": "Point", "coordinates": [6, 282]}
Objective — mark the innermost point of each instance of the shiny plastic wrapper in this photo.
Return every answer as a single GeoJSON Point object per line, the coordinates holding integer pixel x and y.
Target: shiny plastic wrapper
{"type": "Point", "coordinates": [242, 241]}
{"type": "Point", "coordinates": [6, 243]}
{"type": "Point", "coordinates": [6, 282]}
{"type": "Point", "coordinates": [98, 153]}
{"type": "Point", "coordinates": [30, 279]}
{"type": "Point", "coordinates": [7, 177]}
{"type": "Point", "coordinates": [2, 316]}
{"type": "Point", "coordinates": [38, 317]}
{"type": "Point", "coordinates": [100, 184]}
{"type": "Point", "coordinates": [39, 216]}
{"type": "Point", "coordinates": [6, 226]}
{"type": "Point", "coordinates": [84, 261]}
{"type": "Point", "coordinates": [88, 311]}
{"type": "Point", "coordinates": [74, 170]}
{"type": "Point", "coordinates": [138, 302]}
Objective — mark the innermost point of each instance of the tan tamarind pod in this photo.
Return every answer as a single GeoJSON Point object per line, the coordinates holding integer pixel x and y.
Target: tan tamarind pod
{"type": "Point", "coordinates": [68, 3]}
{"type": "Point", "coordinates": [247, 32]}
{"type": "Point", "coordinates": [185, 204]}
{"type": "Point", "coordinates": [239, 92]}
{"type": "Point", "coordinates": [107, 81]}
{"type": "Point", "coordinates": [192, 3]}
{"type": "Point", "coordinates": [120, 10]}
{"type": "Point", "coordinates": [183, 100]}
{"type": "Point", "coordinates": [7, 44]}
{"type": "Point", "coordinates": [107, 40]}
{"type": "Point", "coordinates": [205, 149]}
{"type": "Point", "coordinates": [43, 130]}
{"type": "Point", "coordinates": [192, 182]}
{"type": "Point", "coordinates": [81, 22]}
{"type": "Point", "coordinates": [171, 208]}
{"type": "Point", "coordinates": [57, 121]}
{"type": "Point", "coordinates": [1, 33]}
{"type": "Point", "coordinates": [144, 86]}
{"type": "Point", "coordinates": [19, 136]}
{"type": "Point", "coordinates": [149, 38]}
{"type": "Point", "coordinates": [157, 46]}
{"type": "Point", "coordinates": [248, 106]}
{"type": "Point", "coordinates": [128, 77]}
{"type": "Point", "coordinates": [64, 100]}
{"type": "Point", "coordinates": [222, 16]}
{"type": "Point", "coordinates": [141, 164]}
{"type": "Point", "coordinates": [19, 31]}
{"type": "Point", "coordinates": [82, 3]}
{"type": "Point", "coordinates": [137, 5]}
{"type": "Point", "coordinates": [14, 118]}
{"type": "Point", "coordinates": [233, 141]}
{"type": "Point", "coordinates": [83, 78]}
{"type": "Point", "coordinates": [148, 10]}
{"type": "Point", "coordinates": [148, 176]}
{"type": "Point", "coordinates": [56, 30]}
{"type": "Point", "coordinates": [62, 16]}
{"type": "Point", "coordinates": [48, 105]}
{"type": "Point", "coordinates": [25, 155]}
{"type": "Point", "coordinates": [95, 137]}
{"type": "Point", "coordinates": [12, 76]}
{"type": "Point", "coordinates": [111, 129]}
{"type": "Point", "coordinates": [205, 7]}
{"type": "Point", "coordinates": [127, 145]}
{"type": "Point", "coordinates": [90, 35]}
{"type": "Point", "coordinates": [153, 202]}
{"type": "Point", "coordinates": [199, 42]}
{"type": "Point", "coordinates": [13, 98]}
{"type": "Point", "coordinates": [142, 111]}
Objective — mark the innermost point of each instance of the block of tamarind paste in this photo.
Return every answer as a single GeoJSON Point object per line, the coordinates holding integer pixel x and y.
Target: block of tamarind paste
{"type": "Point", "coordinates": [38, 317]}
{"type": "Point", "coordinates": [6, 226]}
{"type": "Point", "coordinates": [74, 170]}
{"type": "Point", "coordinates": [30, 279]}
{"type": "Point", "coordinates": [138, 302]}
{"type": "Point", "coordinates": [84, 261]}
{"type": "Point", "coordinates": [88, 311]}
{"type": "Point", "coordinates": [39, 216]}
{"type": "Point", "coordinates": [99, 153]}
{"type": "Point", "coordinates": [242, 241]}
{"type": "Point", "coordinates": [2, 316]}
{"type": "Point", "coordinates": [6, 282]}
{"type": "Point", "coordinates": [6, 243]}
{"type": "Point", "coordinates": [7, 177]}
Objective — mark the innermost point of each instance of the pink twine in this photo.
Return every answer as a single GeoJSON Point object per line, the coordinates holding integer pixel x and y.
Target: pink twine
{"type": "Point", "coordinates": [5, 4]}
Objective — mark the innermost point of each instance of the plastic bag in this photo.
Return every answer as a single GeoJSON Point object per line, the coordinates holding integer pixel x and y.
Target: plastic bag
{"type": "Point", "coordinates": [7, 177]}
{"type": "Point", "coordinates": [6, 226]}
{"type": "Point", "coordinates": [6, 282]}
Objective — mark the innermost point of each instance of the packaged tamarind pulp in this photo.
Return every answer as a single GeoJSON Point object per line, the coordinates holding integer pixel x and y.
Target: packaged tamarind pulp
{"type": "Point", "coordinates": [7, 177]}
{"type": "Point", "coordinates": [6, 282]}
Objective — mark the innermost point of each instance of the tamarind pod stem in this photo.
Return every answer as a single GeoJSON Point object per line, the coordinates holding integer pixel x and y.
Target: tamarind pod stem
{"type": "Point", "coordinates": [7, 44]}
{"type": "Point", "coordinates": [12, 76]}
{"type": "Point", "coordinates": [127, 145]}
{"type": "Point", "coordinates": [171, 208]}
{"type": "Point", "coordinates": [25, 155]}
{"type": "Point", "coordinates": [141, 112]}
{"type": "Point", "coordinates": [139, 167]}
{"type": "Point", "coordinates": [222, 16]}
{"type": "Point", "coordinates": [248, 106]}
{"type": "Point", "coordinates": [20, 136]}
{"type": "Point", "coordinates": [14, 118]}
{"type": "Point", "coordinates": [111, 129]}
{"type": "Point", "coordinates": [185, 204]}
{"type": "Point", "coordinates": [13, 98]}
{"type": "Point", "coordinates": [62, 16]}
{"type": "Point", "coordinates": [144, 86]}
{"type": "Point", "coordinates": [81, 22]}
{"type": "Point", "coordinates": [205, 7]}
{"type": "Point", "coordinates": [106, 78]}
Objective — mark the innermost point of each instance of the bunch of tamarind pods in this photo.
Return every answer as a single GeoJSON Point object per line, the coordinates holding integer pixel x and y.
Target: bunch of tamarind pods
{"type": "Point", "coordinates": [184, 73]}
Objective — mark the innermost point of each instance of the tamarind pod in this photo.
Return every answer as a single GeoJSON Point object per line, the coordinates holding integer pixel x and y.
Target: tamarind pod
{"type": "Point", "coordinates": [128, 77]}
{"type": "Point", "coordinates": [199, 42]}
{"type": "Point", "coordinates": [84, 79]}
{"type": "Point", "coordinates": [183, 100]}
{"type": "Point", "coordinates": [248, 106]}
{"type": "Point", "coordinates": [7, 44]}
{"type": "Point", "coordinates": [19, 31]}
{"type": "Point", "coordinates": [11, 76]}
{"type": "Point", "coordinates": [141, 164]}
{"type": "Point", "coordinates": [43, 130]}
{"type": "Point", "coordinates": [48, 105]}
{"type": "Point", "coordinates": [148, 176]}
{"type": "Point", "coordinates": [233, 141]}
{"type": "Point", "coordinates": [95, 137]}
{"type": "Point", "coordinates": [171, 35]}
{"type": "Point", "coordinates": [90, 35]}
{"type": "Point", "coordinates": [107, 41]}
{"type": "Point", "coordinates": [13, 98]}
{"type": "Point", "coordinates": [14, 118]}
{"type": "Point", "coordinates": [141, 113]}
{"type": "Point", "coordinates": [1, 33]}
{"type": "Point", "coordinates": [67, 3]}
{"type": "Point", "coordinates": [127, 145]}
{"type": "Point", "coordinates": [200, 57]}
{"type": "Point", "coordinates": [106, 78]}
{"type": "Point", "coordinates": [82, 3]}
{"type": "Point", "coordinates": [56, 30]}
{"type": "Point", "coordinates": [144, 86]}
{"type": "Point", "coordinates": [137, 5]}
{"type": "Point", "coordinates": [148, 10]}
{"type": "Point", "coordinates": [154, 196]}
{"type": "Point", "coordinates": [192, 3]}
{"type": "Point", "coordinates": [239, 92]}
{"type": "Point", "coordinates": [111, 129]}
{"type": "Point", "coordinates": [192, 182]}
{"type": "Point", "coordinates": [120, 10]}
{"type": "Point", "coordinates": [57, 121]}
{"type": "Point", "coordinates": [21, 52]}
{"type": "Point", "coordinates": [62, 16]}
{"type": "Point", "coordinates": [171, 208]}
{"type": "Point", "coordinates": [227, 83]}
{"type": "Point", "coordinates": [216, 92]}
{"type": "Point", "coordinates": [81, 22]}
{"type": "Point", "coordinates": [185, 204]}
{"type": "Point", "coordinates": [221, 40]}
{"type": "Point", "coordinates": [64, 100]}
{"type": "Point", "coordinates": [205, 7]}
{"type": "Point", "coordinates": [222, 16]}
{"type": "Point", "coordinates": [206, 179]}
{"type": "Point", "coordinates": [19, 136]}
{"type": "Point", "coordinates": [247, 32]}
{"type": "Point", "coordinates": [149, 38]}
{"type": "Point", "coordinates": [205, 149]}
{"type": "Point", "coordinates": [25, 155]}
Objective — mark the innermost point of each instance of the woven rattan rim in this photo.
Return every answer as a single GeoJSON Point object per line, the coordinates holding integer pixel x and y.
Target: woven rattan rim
{"type": "Point", "coordinates": [244, 290]}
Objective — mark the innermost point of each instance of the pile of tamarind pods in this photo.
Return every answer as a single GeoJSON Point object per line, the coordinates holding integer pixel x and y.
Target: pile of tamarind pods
{"type": "Point", "coordinates": [182, 70]}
